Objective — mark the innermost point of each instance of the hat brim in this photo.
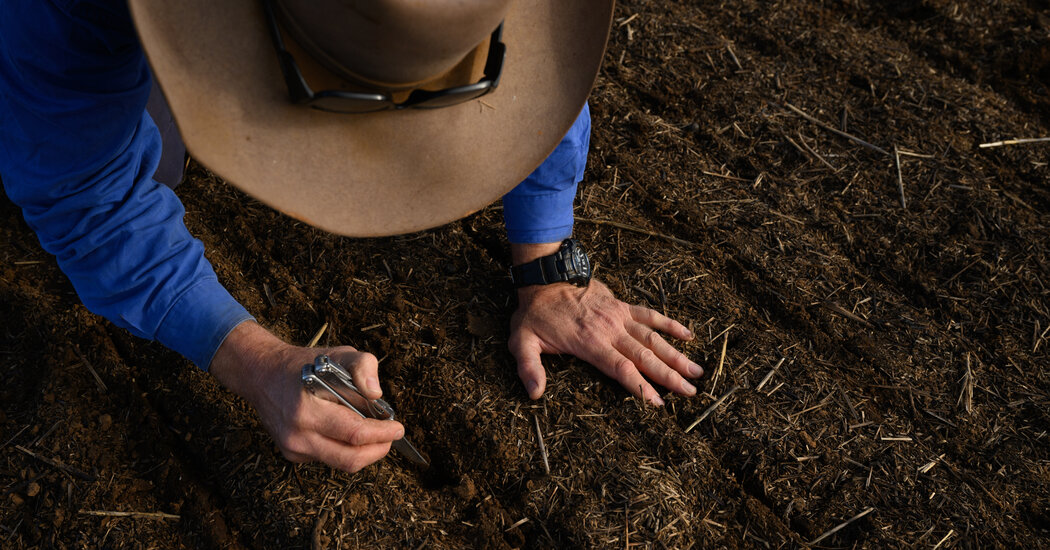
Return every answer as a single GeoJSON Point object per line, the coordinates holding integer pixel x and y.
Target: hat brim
{"type": "Point", "coordinates": [378, 174]}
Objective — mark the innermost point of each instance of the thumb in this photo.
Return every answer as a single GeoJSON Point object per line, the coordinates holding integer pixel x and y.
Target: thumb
{"type": "Point", "coordinates": [526, 350]}
{"type": "Point", "coordinates": [363, 368]}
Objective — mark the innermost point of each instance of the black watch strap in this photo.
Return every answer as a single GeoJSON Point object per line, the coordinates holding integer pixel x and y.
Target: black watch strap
{"type": "Point", "coordinates": [542, 271]}
{"type": "Point", "coordinates": [569, 264]}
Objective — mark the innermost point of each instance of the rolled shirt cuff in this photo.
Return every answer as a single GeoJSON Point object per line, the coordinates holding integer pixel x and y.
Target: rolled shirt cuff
{"type": "Point", "coordinates": [539, 218]}
{"type": "Point", "coordinates": [199, 321]}
{"type": "Point", "coordinates": [539, 209]}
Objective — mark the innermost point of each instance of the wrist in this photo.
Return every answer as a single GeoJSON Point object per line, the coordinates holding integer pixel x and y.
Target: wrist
{"type": "Point", "coordinates": [543, 264]}
{"type": "Point", "coordinates": [554, 293]}
{"type": "Point", "coordinates": [521, 253]}
{"type": "Point", "coordinates": [528, 294]}
{"type": "Point", "coordinates": [242, 362]}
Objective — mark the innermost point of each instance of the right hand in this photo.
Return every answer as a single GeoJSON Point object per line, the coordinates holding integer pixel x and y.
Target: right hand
{"type": "Point", "coordinates": [266, 371]}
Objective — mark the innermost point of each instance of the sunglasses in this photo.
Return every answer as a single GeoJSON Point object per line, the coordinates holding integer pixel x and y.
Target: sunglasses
{"type": "Point", "coordinates": [341, 101]}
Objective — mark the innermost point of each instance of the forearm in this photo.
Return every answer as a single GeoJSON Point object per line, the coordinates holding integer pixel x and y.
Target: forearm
{"type": "Point", "coordinates": [78, 153]}
{"type": "Point", "coordinates": [120, 238]}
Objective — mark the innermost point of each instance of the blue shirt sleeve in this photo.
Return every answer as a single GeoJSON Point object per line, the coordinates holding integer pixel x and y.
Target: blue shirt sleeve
{"type": "Point", "coordinates": [539, 209]}
{"type": "Point", "coordinates": [77, 154]}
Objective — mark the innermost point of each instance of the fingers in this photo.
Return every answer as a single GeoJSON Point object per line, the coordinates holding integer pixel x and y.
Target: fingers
{"type": "Point", "coordinates": [330, 432]}
{"type": "Point", "coordinates": [619, 367]}
{"type": "Point", "coordinates": [649, 364]}
{"type": "Point", "coordinates": [338, 455]}
{"type": "Point", "coordinates": [660, 322]}
{"type": "Point", "coordinates": [526, 349]}
{"type": "Point", "coordinates": [667, 353]}
{"type": "Point", "coordinates": [339, 423]}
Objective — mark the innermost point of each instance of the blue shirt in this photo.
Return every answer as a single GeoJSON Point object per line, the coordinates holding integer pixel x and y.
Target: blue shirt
{"type": "Point", "coordinates": [78, 153]}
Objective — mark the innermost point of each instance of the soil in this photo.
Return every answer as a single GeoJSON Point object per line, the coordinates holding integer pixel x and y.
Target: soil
{"type": "Point", "coordinates": [874, 330]}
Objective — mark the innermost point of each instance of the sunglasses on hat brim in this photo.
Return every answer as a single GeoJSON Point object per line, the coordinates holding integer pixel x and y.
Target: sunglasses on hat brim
{"type": "Point", "coordinates": [341, 101]}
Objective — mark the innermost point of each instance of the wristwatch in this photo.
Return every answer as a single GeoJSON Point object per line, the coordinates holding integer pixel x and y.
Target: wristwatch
{"type": "Point", "coordinates": [568, 265]}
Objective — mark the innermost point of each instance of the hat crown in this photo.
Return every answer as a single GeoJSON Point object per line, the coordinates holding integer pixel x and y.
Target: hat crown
{"type": "Point", "coordinates": [391, 43]}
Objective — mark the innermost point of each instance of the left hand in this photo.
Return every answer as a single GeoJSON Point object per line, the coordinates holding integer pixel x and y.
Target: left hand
{"type": "Point", "coordinates": [592, 324]}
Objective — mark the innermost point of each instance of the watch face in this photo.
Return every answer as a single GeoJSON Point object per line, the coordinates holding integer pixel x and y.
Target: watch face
{"type": "Point", "coordinates": [580, 266]}
{"type": "Point", "coordinates": [580, 263]}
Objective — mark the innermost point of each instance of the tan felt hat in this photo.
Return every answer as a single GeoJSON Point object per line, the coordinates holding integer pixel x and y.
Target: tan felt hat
{"type": "Point", "coordinates": [387, 172]}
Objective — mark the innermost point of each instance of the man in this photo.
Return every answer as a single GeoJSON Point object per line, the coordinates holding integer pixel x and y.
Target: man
{"type": "Point", "coordinates": [414, 126]}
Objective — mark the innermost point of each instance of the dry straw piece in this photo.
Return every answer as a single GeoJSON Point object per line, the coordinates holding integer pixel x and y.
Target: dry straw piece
{"type": "Point", "coordinates": [318, 335]}
{"type": "Point", "coordinates": [712, 408]}
{"type": "Point", "coordinates": [836, 131]}
{"type": "Point", "coordinates": [966, 393]}
{"type": "Point", "coordinates": [721, 360]}
{"type": "Point", "coordinates": [770, 374]}
{"type": "Point", "coordinates": [841, 526]}
{"type": "Point", "coordinates": [539, 441]}
{"type": "Point", "coordinates": [1020, 141]}
{"type": "Point", "coordinates": [138, 515]}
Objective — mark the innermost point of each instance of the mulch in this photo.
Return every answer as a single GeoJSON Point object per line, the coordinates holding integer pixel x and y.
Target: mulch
{"type": "Point", "coordinates": [801, 183]}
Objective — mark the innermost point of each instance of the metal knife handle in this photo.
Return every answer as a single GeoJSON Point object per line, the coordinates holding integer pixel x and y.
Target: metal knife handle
{"type": "Point", "coordinates": [338, 386]}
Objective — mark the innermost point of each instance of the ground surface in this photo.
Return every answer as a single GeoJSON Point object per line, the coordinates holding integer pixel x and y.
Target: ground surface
{"type": "Point", "coordinates": [889, 361]}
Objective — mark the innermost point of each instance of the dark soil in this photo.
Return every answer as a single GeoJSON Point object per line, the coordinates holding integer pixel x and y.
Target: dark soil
{"type": "Point", "coordinates": [892, 361]}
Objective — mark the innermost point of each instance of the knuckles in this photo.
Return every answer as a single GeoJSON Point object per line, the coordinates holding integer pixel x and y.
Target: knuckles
{"type": "Point", "coordinates": [646, 357]}
{"type": "Point", "coordinates": [366, 361]}
{"type": "Point", "coordinates": [356, 435]}
{"type": "Point", "coordinates": [623, 369]}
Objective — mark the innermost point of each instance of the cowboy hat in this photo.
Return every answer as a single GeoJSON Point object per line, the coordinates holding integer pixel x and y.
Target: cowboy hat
{"type": "Point", "coordinates": [380, 173]}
